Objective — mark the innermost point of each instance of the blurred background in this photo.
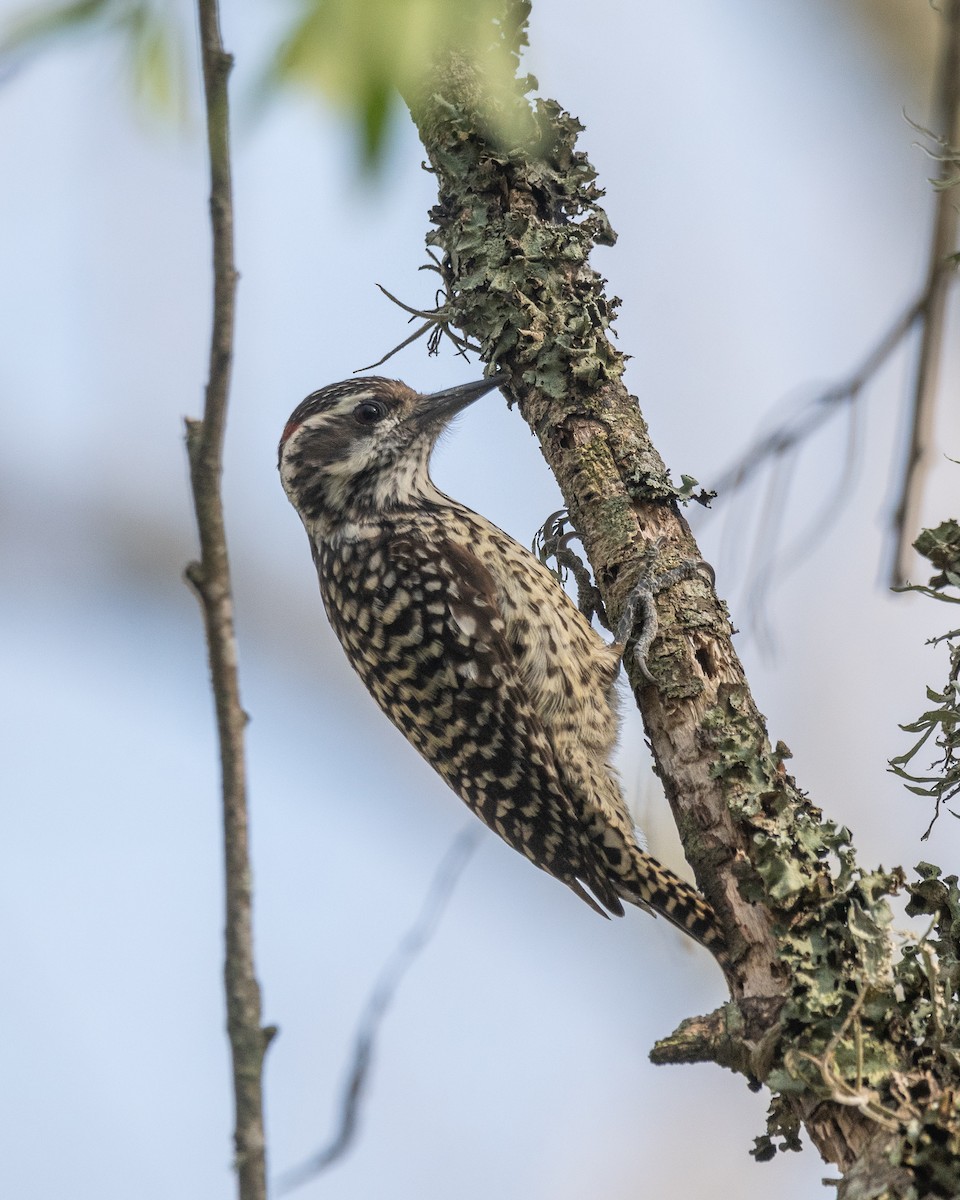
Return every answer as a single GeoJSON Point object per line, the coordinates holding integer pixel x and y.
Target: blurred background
{"type": "Point", "coordinates": [774, 213]}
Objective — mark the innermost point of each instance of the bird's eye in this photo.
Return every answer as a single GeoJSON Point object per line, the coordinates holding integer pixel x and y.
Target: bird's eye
{"type": "Point", "coordinates": [369, 412]}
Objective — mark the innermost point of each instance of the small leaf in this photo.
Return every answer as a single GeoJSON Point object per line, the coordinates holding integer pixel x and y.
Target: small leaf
{"type": "Point", "coordinates": [30, 29]}
{"type": "Point", "coordinates": [359, 54]}
{"type": "Point", "coordinates": [153, 39]}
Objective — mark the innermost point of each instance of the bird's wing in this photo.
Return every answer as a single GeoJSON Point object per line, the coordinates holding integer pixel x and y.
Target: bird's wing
{"type": "Point", "coordinates": [431, 648]}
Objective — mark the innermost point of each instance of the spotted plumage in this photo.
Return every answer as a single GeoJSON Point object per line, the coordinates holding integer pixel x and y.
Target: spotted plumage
{"type": "Point", "coordinates": [469, 645]}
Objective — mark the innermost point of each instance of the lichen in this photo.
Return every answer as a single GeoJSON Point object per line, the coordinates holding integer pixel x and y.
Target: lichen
{"type": "Point", "coordinates": [515, 226]}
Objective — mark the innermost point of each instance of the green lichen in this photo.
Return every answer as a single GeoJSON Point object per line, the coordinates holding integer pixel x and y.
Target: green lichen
{"type": "Point", "coordinates": [860, 1030]}
{"type": "Point", "coordinates": [515, 225]}
{"type": "Point", "coordinates": [941, 546]}
{"type": "Point", "coordinates": [832, 929]}
{"type": "Point", "coordinates": [938, 726]}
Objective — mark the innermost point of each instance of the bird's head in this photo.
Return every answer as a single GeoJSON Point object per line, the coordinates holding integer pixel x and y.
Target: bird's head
{"type": "Point", "coordinates": [361, 447]}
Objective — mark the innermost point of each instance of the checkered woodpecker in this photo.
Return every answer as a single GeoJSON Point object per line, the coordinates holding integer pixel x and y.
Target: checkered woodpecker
{"type": "Point", "coordinates": [470, 645]}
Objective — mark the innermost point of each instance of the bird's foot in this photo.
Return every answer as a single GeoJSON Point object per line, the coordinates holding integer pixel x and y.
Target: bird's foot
{"type": "Point", "coordinates": [640, 604]}
{"type": "Point", "coordinates": [552, 541]}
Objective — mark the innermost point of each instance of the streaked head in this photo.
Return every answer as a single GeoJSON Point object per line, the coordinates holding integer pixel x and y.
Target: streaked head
{"type": "Point", "coordinates": [362, 446]}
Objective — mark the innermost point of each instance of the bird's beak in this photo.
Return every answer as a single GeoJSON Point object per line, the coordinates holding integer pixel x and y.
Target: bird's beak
{"type": "Point", "coordinates": [440, 407]}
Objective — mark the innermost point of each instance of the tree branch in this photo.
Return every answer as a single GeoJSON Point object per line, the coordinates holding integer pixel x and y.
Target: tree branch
{"type": "Point", "coordinates": [405, 954]}
{"type": "Point", "coordinates": [811, 971]}
{"type": "Point", "coordinates": [778, 450]}
{"type": "Point", "coordinates": [943, 244]}
{"type": "Point", "coordinates": [802, 423]}
{"type": "Point", "coordinates": [210, 578]}
{"type": "Point", "coordinates": [516, 230]}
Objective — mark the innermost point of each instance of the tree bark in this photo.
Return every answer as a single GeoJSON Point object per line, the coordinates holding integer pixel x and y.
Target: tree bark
{"type": "Point", "coordinates": [816, 1012]}
{"type": "Point", "coordinates": [210, 578]}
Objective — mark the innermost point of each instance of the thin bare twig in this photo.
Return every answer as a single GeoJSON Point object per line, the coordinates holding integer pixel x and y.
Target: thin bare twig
{"type": "Point", "coordinates": [783, 442]}
{"type": "Point", "coordinates": [410, 946]}
{"type": "Point", "coordinates": [778, 450]}
{"type": "Point", "coordinates": [435, 319]}
{"type": "Point", "coordinates": [800, 425]}
{"type": "Point", "coordinates": [417, 333]}
{"type": "Point", "coordinates": [430, 314]}
{"type": "Point", "coordinates": [906, 519]}
{"type": "Point", "coordinates": [210, 578]}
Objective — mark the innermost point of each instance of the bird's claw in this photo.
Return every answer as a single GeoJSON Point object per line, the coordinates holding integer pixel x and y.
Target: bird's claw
{"type": "Point", "coordinates": [640, 603]}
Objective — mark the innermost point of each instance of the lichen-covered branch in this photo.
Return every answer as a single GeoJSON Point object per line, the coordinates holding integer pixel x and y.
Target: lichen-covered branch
{"type": "Point", "coordinates": [515, 228]}
{"type": "Point", "coordinates": [515, 224]}
{"type": "Point", "coordinates": [210, 578]}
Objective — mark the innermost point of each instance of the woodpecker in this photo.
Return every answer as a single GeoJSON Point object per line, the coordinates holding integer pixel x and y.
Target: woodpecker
{"type": "Point", "coordinates": [470, 645]}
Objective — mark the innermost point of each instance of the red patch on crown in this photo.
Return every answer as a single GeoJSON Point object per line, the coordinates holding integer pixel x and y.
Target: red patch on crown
{"type": "Point", "coordinates": [290, 427]}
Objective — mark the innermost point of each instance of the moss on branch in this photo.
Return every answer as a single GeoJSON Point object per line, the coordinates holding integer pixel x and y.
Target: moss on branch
{"type": "Point", "coordinates": [819, 1012]}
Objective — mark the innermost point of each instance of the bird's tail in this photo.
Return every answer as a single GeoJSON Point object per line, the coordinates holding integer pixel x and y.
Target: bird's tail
{"type": "Point", "coordinates": [656, 887]}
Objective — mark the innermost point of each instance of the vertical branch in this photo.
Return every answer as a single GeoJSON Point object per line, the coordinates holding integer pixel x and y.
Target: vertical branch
{"type": "Point", "coordinates": [906, 521]}
{"type": "Point", "coordinates": [211, 580]}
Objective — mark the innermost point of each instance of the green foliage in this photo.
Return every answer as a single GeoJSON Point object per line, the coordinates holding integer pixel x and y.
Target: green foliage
{"type": "Point", "coordinates": [152, 39]}
{"type": "Point", "coordinates": [941, 546]}
{"type": "Point", "coordinates": [362, 55]}
{"type": "Point", "coordinates": [359, 55]}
